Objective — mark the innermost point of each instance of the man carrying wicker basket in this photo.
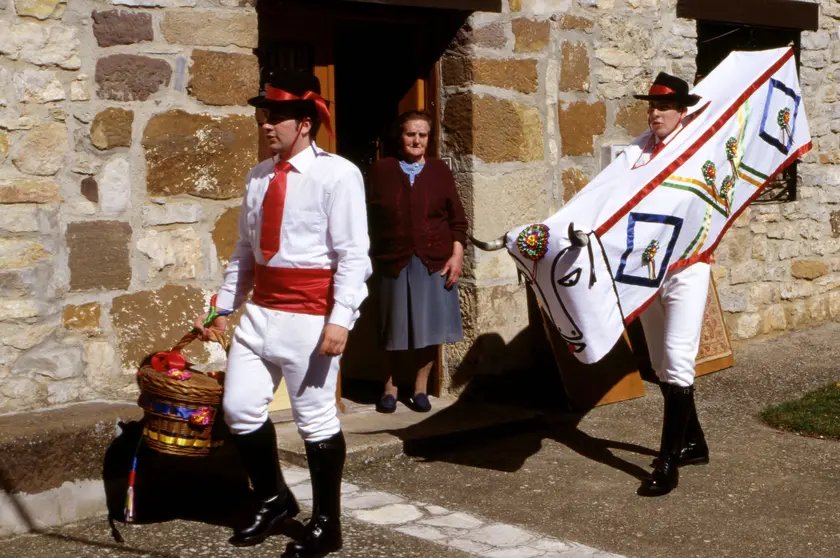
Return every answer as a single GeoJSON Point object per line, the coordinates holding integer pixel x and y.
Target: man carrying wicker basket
{"type": "Point", "coordinates": [303, 247]}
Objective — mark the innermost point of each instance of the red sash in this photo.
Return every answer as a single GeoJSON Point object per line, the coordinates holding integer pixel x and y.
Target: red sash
{"type": "Point", "coordinates": [292, 289]}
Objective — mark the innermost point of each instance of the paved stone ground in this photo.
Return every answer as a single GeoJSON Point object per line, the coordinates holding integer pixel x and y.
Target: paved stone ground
{"type": "Point", "coordinates": [766, 493]}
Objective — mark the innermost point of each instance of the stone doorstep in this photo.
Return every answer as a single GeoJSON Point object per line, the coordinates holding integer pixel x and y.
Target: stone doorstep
{"type": "Point", "coordinates": [51, 463]}
{"type": "Point", "coordinates": [372, 436]}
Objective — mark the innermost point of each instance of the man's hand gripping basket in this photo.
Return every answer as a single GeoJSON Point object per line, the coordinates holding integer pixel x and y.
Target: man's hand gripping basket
{"type": "Point", "coordinates": [181, 404]}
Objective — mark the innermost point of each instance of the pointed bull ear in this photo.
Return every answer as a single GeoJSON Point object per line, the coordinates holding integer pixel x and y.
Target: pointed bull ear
{"type": "Point", "coordinates": [491, 246]}
{"type": "Point", "coordinates": [577, 238]}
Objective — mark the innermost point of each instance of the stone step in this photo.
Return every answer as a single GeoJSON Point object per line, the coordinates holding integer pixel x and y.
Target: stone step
{"type": "Point", "coordinates": [372, 436]}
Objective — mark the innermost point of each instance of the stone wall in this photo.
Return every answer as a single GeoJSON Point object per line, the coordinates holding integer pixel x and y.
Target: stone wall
{"type": "Point", "coordinates": [124, 142]}
{"type": "Point", "coordinates": [533, 95]}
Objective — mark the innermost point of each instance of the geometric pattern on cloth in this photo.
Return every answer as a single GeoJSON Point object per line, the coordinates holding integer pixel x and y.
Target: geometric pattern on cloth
{"type": "Point", "coordinates": [655, 276]}
{"type": "Point", "coordinates": [774, 110]}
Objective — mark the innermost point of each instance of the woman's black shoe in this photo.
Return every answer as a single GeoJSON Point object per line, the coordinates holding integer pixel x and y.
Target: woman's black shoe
{"type": "Point", "coordinates": [387, 404]}
{"type": "Point", "coordinates": [420, 403]}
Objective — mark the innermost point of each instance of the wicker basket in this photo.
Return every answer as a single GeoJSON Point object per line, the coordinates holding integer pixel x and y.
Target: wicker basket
{"type": "Point", "coordinates": [180, 415]}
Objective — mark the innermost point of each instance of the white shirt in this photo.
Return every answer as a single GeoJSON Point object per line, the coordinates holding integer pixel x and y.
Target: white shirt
{"type": "Point", "coordinates": [324, 227]}
{"type": "Point", "coordinates": [649, 143]}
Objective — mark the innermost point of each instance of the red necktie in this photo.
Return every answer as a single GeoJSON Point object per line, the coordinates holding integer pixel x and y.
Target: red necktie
{"type": "Point", "coordinates": [273, 203]}
{"type": "Point", "coordinates": [658, 147]}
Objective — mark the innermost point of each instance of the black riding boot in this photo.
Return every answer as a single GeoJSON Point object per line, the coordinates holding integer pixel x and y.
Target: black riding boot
{"type": "Point", "coordinates": [258, 451]}
{"type": "Point", "coordinates": [694, 451]}
{"type": "Point", "coordinates": [665, 475]}
{"type": "Point", "coordinates": [323, 532]}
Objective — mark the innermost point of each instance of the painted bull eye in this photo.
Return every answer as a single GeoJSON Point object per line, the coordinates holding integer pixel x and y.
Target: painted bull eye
{"type": "Point", "coordinates": [570, 279]}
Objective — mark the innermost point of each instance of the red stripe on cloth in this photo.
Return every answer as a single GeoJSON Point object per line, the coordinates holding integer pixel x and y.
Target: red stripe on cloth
{"type": "Point", "coordinates": [707, 253]}
{"type": "Point", "coordinates": [701, 141]}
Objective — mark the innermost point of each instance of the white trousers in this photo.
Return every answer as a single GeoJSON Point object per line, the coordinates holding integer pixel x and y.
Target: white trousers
{"type": "Point", "coordinates": [673, 323]}
{"type": "Point", "coordinates": [270, 345]}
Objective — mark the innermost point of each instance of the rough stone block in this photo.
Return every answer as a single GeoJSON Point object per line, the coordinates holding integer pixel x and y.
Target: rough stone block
{"type": "Point", "coordinates": [115, 186]}
{"type": "Point", "coordinates": [42, 150]}
{"type": "Point", "coordinates": [834, 219]}
{"type": "Point", "coordinates": [569, 21]}
{"type": "Point", "coordinates": [744, 326]}
{"type": "Point", "coordinates": [41, 44]}
{"type": "Point", "coordinates": [225, 234]}
{"type": "Point", "coordinates": [574, 68]}
{"type": "Point", "coordinates": [37, 86]}
{"type": "Point", "coordinates": [175, 254]}
{"type": "Point", "coordinates": [100, 360]}
{"type": "Point", "coordinates": [223, 78]}
{"type": "Point", "coordinates": [579, 122]}
{"type": "Point", "coordinates": [167, 312]}
{"type": "Point", "coordinates": [23, 336]}
{"type": "Point", "coordinates": [15, 309]}
{"type": "Point", "coordinates": [456, 70]}
{"type": "Point", "coordinates": [394, 514]}
{"type": "Point", "coordinates": [210, 28]}
{"type": "Point", "coordinates": [490, 36]}
{"type": "Point", "coordinates": [531, 36]}
{"type": "Point", "coordinates": [51, 359]}
{"type": "Point", "coordinates": [494, 130]}
{"type": "Point", "coordinates": [633, 117]}
{"type": "Point", "coordinates": [573, 182]}
{"type": "Point", "coordinates": [90, 189]}
{"type": "Point", "coordinates": [520, 75]}
{"type": "Point", "coordinates": [121, 27]}
{"type": "Point", "coordinates": [112, 128]}
{"type": "Point", "coordinates": [19, 218]}
{"type": "Point", "coordinates": [80, 89]}
{"type": "Point", "coordinates": [198, 154]}
{"type": "Point", "coordinates": [4, 146]}
{"type": "Point", "coordinates": [40, 9]}
{"type": "Point", "coordinates": [99, 255]}
{"type": "Point", "coordinates": [83, 318]}
{"type": "Point", "coordinates": [16, 253]}
{"type": "Point", "coordinates": [773, 319]}
{"type": "Point", "coordinates": [808, 269]}
{"type": "Point", "coordinates": [128, 77]}
{"type": "Point", "coordinates": [171, 213]}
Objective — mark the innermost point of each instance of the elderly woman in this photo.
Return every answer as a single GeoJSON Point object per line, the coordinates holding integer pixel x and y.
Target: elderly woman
{"type": "Point", "coordinates": [418, 233]}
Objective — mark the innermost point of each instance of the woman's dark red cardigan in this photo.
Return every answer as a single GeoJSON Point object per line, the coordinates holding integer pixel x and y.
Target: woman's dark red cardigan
{"type": "Point", "coordinates": [424, 219]}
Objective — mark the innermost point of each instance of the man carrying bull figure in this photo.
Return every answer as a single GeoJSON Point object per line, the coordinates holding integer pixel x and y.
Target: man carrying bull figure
{"type": "Point", "coordinates": [673, 321]}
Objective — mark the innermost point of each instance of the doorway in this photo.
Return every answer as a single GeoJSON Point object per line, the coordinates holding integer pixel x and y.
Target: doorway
{"type": "Point", "coordinates": [379, 73]}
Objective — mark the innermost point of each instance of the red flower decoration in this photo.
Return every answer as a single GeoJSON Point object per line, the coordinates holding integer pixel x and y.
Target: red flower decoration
{"type": "Point", "coordinates": [201, 416]}
{"type": "Point", "coordinates": [166, 361]}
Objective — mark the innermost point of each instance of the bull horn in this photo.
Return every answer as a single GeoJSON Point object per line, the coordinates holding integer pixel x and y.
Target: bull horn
{"type": "Point", "coordinates": [577, 238]}
{"type": "Point", "coordinates": [491, 246]}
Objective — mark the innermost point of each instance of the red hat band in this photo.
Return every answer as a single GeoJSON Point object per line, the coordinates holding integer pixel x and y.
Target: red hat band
{"type": "Point", "coordinates": [275, 94]}
{"type": "Point", "coordinates": [661, 90]}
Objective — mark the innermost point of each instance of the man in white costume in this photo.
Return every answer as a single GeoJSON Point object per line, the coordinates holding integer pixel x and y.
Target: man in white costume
{"type": "Point", "coordinates": [674, 319]}
{"type": "Point", "coordinates": [303, 247]}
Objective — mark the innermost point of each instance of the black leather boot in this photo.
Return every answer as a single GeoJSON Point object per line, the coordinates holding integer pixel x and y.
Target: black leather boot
{"type": "Point", "coordinates": [323, 532]}
{"type": "Point", "coordinates": [276, 502]}
{"type": "Point", "coordinates": [695, 451]}
{"type": "Point", "coordinates": [665, 475]}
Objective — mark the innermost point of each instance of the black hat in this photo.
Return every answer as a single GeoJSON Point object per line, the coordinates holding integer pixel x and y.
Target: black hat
{"type": "Point", "coordinates": [670, 88]}
{"type": "Point", "coordinates": [297, 91]}
{"type": "Point", "coordinates": [288, 87]}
